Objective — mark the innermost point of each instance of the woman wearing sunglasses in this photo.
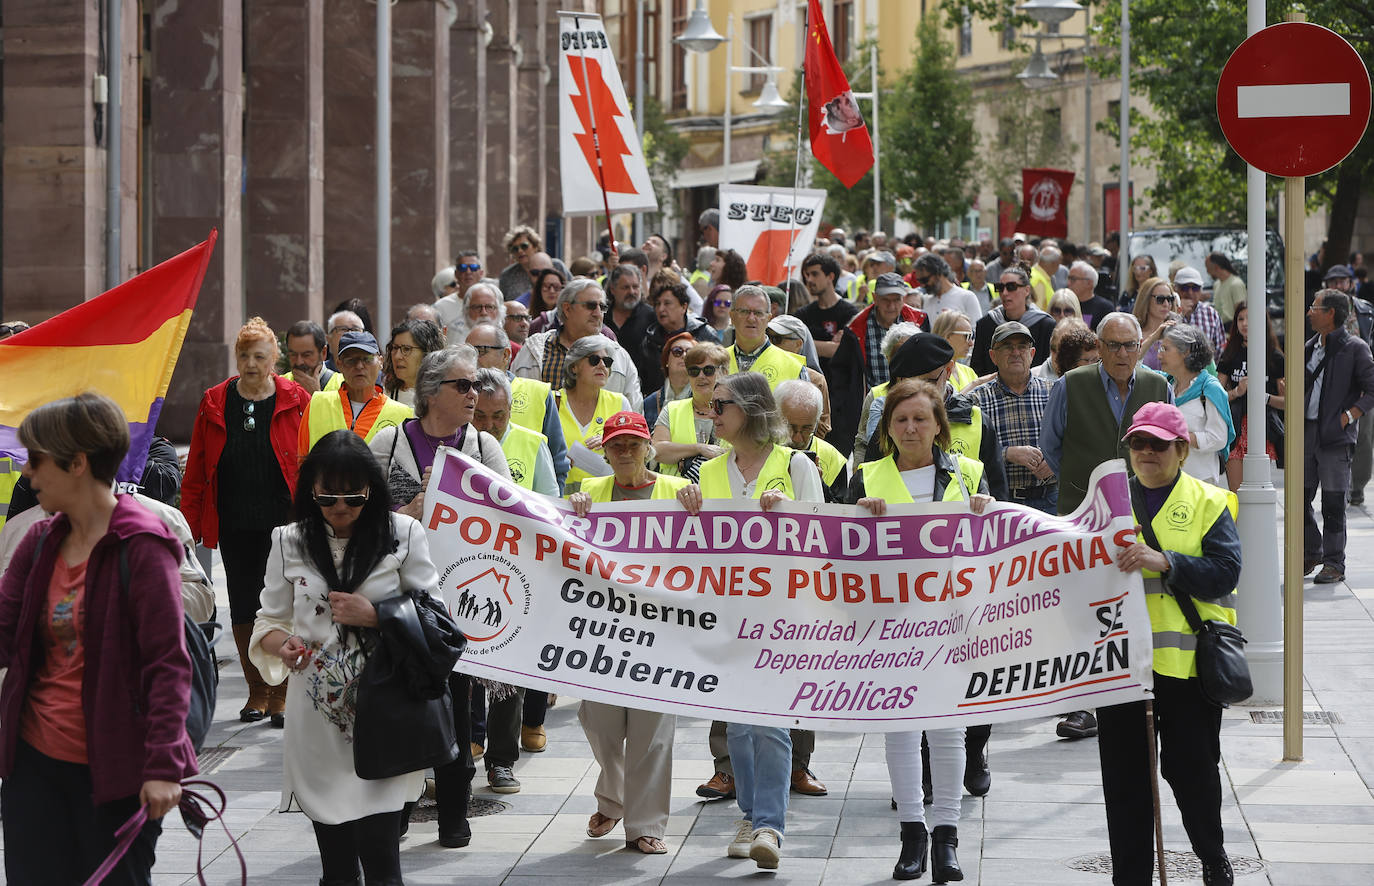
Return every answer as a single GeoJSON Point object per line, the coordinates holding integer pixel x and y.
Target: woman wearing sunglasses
{"type": "Point", "coordinates": [916, 466]}
{"type": "Point", "coordinates": [346, 552]}
{"type": "Point", "coordinates": [237, 488]}
{"type": "Point", "coordinates": [445, 398]}
{"type": "Point", "coordinates": [634, 748]}
{"type": "Point", "coordinates": [1184, 353]}
{"type": "Point", "coordinates": [410, 341]}
{"type": "Point", "coordinates": [759, 466]}
{"type": "Point", "coordinates": [1155, 307]}
{"type": "Point", "coordinates": [718, 304]}
{"type": "Point", "coordinates": [954, 327]}
{"type": "Point", "coordinates": [675, 386]}
{"type": "Point", "coordinates": [1198, 556]}
{"type": "Point", "coordinates": [685, 430]}
{"type": "Point", "coordinates": [584, 404]}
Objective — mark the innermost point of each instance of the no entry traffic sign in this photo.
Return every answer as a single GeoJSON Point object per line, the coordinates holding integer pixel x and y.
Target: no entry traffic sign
{"type": "Point", "coordinates": [1293, 99]}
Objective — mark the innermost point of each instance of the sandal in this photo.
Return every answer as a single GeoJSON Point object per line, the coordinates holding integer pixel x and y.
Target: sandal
{"type": "Point", "coordinates": [599, 825]}
{"type": "Point", "coordinates": [648, 845]}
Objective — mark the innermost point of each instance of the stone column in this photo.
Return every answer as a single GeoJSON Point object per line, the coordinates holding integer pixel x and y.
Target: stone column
{"type": "Point", "coordinates": [503, 173]}
{"type": "Point", "coordinates": [197, 148]}
{"type": "Point", "coordinates": [350, 185]}
{"type": "Point", "coordinates": [54, 172]}
{"type": "Point", "coordinates": [468, 135]}
{"type": "Point", "coordinates": [419, 151]}
{"type": "Point", "coordinates": [284, 150]}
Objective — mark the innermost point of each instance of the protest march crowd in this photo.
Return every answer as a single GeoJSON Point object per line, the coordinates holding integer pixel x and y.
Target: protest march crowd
{"type": "Point", "coordinates": [885, 372]}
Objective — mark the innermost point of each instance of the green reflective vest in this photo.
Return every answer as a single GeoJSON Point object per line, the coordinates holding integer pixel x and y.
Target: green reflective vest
{"type": "Point", "coordinates": [774, 364]}
{"type": "Point", "coordinates": [528, 399]}
{"type": "Point", "coordinates": [775, 474]}
{"type": "Point", "coordinates": [608, 403]}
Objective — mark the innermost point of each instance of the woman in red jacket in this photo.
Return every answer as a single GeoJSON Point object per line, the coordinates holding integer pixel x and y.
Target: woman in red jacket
{"type": "Point", "coordinates": [93, 711]}
{"type": "Point", "coordinates": [239, 477]}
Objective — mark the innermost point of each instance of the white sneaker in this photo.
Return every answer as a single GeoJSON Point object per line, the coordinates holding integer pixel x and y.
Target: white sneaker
{"type": "Point", "coordinates": [766, 849]}
{"type": "Point", "coordinates": [744, 838]}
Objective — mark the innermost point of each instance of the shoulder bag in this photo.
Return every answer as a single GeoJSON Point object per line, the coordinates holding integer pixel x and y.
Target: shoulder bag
{"type": "Point", "coordinates": [1221, 666]}
{"type": "Point", "coordinates": [404, 716]}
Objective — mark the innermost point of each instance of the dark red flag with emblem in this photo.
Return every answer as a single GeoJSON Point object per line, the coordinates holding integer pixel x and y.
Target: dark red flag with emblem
{"type": "Point", "coordinates": [839, 138]}
{"type": "Point", "coordinates": [1045, 202]}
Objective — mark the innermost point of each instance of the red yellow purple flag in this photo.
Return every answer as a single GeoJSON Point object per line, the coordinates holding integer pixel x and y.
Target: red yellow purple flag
{"type": "Point", "coordinates": [123, 344]}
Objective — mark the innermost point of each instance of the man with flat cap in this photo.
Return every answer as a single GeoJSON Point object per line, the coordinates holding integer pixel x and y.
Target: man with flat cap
{"type": "Point", "coordinates": [1014, 403]}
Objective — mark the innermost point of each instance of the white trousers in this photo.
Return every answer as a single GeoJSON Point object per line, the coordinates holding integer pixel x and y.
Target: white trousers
{"type": "Point", "coordinates": [946, 774]}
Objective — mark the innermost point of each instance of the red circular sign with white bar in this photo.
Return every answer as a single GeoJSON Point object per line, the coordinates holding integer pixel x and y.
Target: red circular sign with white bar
{"type": "Point", "coordinates": [1293, 99]}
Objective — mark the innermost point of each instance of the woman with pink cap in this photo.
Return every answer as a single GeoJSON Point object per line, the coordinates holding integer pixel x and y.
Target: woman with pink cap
{"type": "Point", "coordinates": [1187, 546]}
{"type": "Point", "coordinates": [634, 748]}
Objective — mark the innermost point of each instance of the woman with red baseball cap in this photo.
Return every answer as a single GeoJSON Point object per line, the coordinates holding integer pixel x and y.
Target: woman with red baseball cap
{"type": "Point", "coordinates": [642, 795]}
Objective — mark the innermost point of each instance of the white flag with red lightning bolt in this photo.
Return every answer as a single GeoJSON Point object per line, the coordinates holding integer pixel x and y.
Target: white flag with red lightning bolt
{"type": "Point", "coordinates": [602, 155]}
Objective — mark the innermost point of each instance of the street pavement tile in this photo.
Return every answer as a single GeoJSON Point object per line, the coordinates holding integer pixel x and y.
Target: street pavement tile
{"type": "Point", "coordinates": [1312, 832]}
{"type": "Point", "coordinates": [1286, 873]}
{"type": "Point", "coordinates": [1317, 853]}
{"type": "Point", "coordinates": [700, 870]}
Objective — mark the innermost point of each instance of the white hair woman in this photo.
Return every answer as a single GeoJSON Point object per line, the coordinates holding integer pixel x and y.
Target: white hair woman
{"type": "Point", "coordinates": [584, 404]}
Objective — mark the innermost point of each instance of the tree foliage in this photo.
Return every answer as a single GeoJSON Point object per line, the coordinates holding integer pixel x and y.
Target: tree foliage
{"type": "Point", "coordinates": [1027, 137]}
{"type": "Point", "coordinates": [929, 142]}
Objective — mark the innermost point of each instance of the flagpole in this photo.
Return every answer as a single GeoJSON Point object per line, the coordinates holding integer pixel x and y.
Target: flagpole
{"type": "Point", "coordinates": [796, 169]}
{"type": "Point", "coordinates": [596, 143]}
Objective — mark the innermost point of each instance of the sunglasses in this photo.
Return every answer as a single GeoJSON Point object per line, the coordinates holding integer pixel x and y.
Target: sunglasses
{"type": "Point", "coordinates": [1140, 444]}
{"type": "Point", "coordinates": [1061, 312]}
{"type": "Point", "coordinates": [350, 499]}
{"type": "Point", "coordinates": [473, 268]}
{"type": "Point", "coordinates": [777, 339]}
{"type": "Point", "coordinates": [520, 247]}
{"type": "Point", "coordinates": [1012, 287]}
{"type": "Point", "coordinates": [719, 405]}
{"type": "Point", "coordinates": [593, 305]}
{"type": "Point", "coordinates": [1164, 299]}
{"type": "Point", "coordinates": [461, 385]}
{"type": "Point", "coordinates": [721, 303]}
{"type": "Point", "coordinates": [596, 360]}
{"type": "Point", "coordinates": [486, 349]}
{"type": "Point", "coordinates": [677, 352]}
{"type": "Point", "coordinates": [522, 318]}
{"type": "Point", "coordinates": [249, 423]}
{"type": "Point", "coordinates": [708, 370]}
{"type": "Point", "coordinates": [1188, 287]}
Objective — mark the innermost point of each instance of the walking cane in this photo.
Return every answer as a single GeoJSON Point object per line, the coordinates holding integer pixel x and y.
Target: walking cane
{"type": "Point", "coordinates": [1154, 790]}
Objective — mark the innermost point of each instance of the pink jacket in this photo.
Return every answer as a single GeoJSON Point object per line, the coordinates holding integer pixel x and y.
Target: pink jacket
{"type": "Point", "coordinates": [138, 676]}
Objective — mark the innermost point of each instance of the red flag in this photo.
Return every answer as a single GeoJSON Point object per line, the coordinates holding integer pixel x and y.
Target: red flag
{"type": "Point", "coordinates": [1044, 202]}
{"type": "Point", "coordinates": [839, 138]}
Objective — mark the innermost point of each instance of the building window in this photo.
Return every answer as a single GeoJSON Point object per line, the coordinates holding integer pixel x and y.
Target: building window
{"type": "Point", "coordinates": [965, 32]}
{"type": "Point", "coordinates": [1008, 34]}
{"type": "Point", "coordinates": [679, 100]}
{"type": "Point", "coordinates": [1053, 133]}
{"type": "Point", "coordinates": [842, 35]}
{"type": "Point", "coordinates": [761, 50]}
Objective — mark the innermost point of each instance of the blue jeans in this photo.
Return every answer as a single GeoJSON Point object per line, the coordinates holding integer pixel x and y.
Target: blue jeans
{"type": "Point", "coordinates": [762, 758]}
{"type": "Point", "coordinates": [1047, 501]}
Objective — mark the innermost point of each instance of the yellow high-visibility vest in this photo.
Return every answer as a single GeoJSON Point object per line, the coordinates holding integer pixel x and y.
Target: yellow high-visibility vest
{"type": "Point", "coordinates": [883, 480]}
{"type": "Point", "coordinates": [775, 474]}
{"type": "Point", "coordinates": [521, 446]}
{"type": "Point", "coordinates": [600, 488]}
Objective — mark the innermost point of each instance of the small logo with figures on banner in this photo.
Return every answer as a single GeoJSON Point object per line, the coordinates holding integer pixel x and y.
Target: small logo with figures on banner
{"type": "Point", "coordinates": [488, 604]}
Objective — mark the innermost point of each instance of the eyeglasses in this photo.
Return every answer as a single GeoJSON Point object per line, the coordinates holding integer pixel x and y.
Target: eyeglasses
{"type": "Point", "coordinates": [482, 309]}
{"type": "Point", "coordinates": [521, 246]}
{"type": "Point", "coordinates": [1140, 444]}
{"type": "Point", "coordinates": [1081, 278]}
{"type": "Point", "coordinates": [592, 306]}
{"type": "Point", "coordinates": [1012, 287]}
{"type": "Point", "coordinates": [1129, 347]}
{"type": "Point", "coordinates": [461, 385]}
{"type": "Point", "coordinates": [404, 350]}
{"type": "Point", "coordinates": [350, 499]}
{"type": "Point", "coordinates": [1014, 346]}
{"type": "Point", "coordinates": [595, 360]}
{"type": "Point", "coordinates": [473, 268]}
{"type": "Point", "coordinates": [360, 360]}
{"type": "Point", "coordinates": [719, 405]}
{"type": "Point", "coordinates": [677, 351]}
{"type": "Point", "coordinates": [346, 329]}
{"type": "Point", "coordinates": [486, 349]}
{"type": "Point", "coordinates": [708, 370]}
{"type": "Point", "coordinates": [519, 318]}
{"type": "Point", "coordinates": [749, 312]}
{"type": "Point", "coordinates": [249, 423]}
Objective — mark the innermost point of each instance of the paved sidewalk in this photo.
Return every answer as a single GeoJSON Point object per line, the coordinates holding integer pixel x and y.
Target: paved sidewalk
{"type": "Point", "coordinates": [1303, 824]}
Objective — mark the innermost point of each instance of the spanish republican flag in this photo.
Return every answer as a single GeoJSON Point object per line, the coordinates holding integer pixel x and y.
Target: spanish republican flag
{"type": "Point", "coordinates": [123, 344]}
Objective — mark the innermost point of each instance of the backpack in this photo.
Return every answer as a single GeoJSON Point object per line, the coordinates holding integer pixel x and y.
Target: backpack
{"type": "Point", "coordinates": [200, 711]}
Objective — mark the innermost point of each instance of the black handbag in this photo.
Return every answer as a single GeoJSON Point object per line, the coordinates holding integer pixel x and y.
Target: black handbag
{"type": "Point", "coordinates": [1222, 669]}
{"type": "Point", "coordinates": [404, 716]}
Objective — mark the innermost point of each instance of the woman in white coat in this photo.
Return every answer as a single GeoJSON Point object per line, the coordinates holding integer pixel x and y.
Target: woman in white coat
{"type": "Point", "coordinates": [345, 552]}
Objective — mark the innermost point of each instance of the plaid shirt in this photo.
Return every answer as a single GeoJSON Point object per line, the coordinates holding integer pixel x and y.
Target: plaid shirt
{"type": "Point", "coordinates": [746, 361]}
{"type": "Point", "coordinates": [875, 364]}
{"type": "Point", "coordinates": [551, 370]}
{"type": "Point", "coordinates": [1017, 420]}
{"type": "Point", "coordinates": [1206, 318]}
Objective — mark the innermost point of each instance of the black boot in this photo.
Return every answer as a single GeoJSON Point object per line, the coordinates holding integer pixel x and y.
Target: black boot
{"type": "Point", "coordinates": [977, 775]}
{"type": "Point", "coordinates": [925, 772]}
{"type": "Point", "coordinates": [452, 793]}
{"type": "Point", "coordinates": [911, 863]}
{"type": "Point", "coordinates": [356, 881]}
{"type": "Point", "coordinates": [944, 862]}
{"type": "Point", "coordinates": [1218, 873]}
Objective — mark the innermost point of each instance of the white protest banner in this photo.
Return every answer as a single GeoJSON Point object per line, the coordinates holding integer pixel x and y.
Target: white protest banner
{"type": "Point", "coordinates": [594, 119]}
{"type": "Point", "coordinates": [805, 616]}
{"type": "Point", "coordinates": [763, 225]}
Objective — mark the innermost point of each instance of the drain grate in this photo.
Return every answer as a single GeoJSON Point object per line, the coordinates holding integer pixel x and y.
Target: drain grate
{"type": "Point", "coordinates": [211, 759]}
{"type": "Point", "coordinates": [1316, 718]}
{"type": "Point", "coordinates": [428, 810]}
{"type": "Point", "coordinates": [1176, 864]}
